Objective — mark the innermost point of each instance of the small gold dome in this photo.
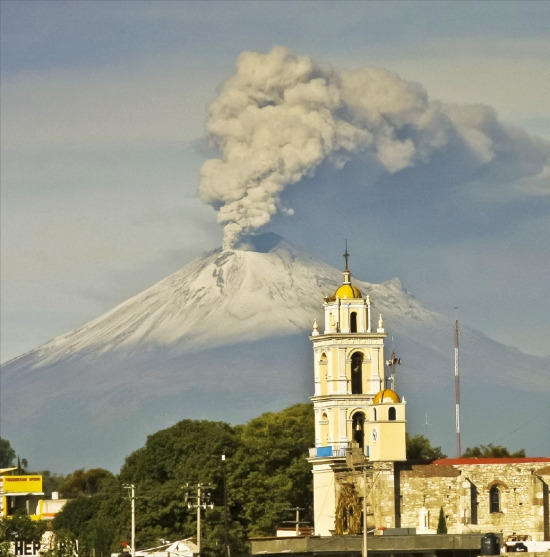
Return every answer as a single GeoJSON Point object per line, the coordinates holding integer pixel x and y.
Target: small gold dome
{"type": "Point", "coordinates": [348, 291]}
{"type": "Point", "coordinates": [387, 395]}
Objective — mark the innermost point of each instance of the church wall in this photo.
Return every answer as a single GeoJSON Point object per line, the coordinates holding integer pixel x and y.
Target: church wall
{"type": "Point", "coordinates": [429, 487]}
{"type": "Point", "coordinates": [506, 496]}
{"type": "Point", "coordinates": [324, 499]}
{"type": "Point", "coordinates": [382, 497]}
{"type": "Point", "coordinates": [463, 490]}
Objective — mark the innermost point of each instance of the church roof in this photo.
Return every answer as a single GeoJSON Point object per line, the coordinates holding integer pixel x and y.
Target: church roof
{"type": "Point", "coordinates": [386, 395]}
{"type": "Point", "coordinates": [485, 460]}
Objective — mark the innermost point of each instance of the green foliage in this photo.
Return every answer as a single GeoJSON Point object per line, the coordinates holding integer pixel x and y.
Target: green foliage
{"type": "Point", "coordinates": [492, 451]}
{"type": "Point", "coordinates": [265, 472]}
{"type": "Point", "coordinates": [50, 482]}
{"type": "Point", "coordinates": [7, 454]}
{"type": "Point", "coordinates": [86, 517]}
{"type": "Point", "coordinates": [76, 514]}
{"type": "Point", "coordinates": [19, 526]}
{"type": "Point", "coordinates": [441, 523]}
{"type": "Point", "coordinates": [186, 454]}
{"type": "Point", "coordinates": [5, 548]}
{"type": "Point", "coordinates": [272, 473]}
{"type": "Point", "coordinates": [94, 520]}
{"type": "Point", "coordinates": [83, 482]}
{"type": "Point", "coordinates": [420, 448]}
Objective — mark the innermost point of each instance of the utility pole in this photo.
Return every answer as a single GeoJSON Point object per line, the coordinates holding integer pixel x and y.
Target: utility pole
{"type": "Point", "coordinates": [202, 501]}
{"type": "Point", "coordinates": [226, 544]}
{"type": "Point", "coordinates": [365, 509]}
{"type": "Point", "coordinates": [297, 521]}
{"type": "Point", "coordinates": [132, 496]}
{"type": "Point", "coordinates": [360, 463]}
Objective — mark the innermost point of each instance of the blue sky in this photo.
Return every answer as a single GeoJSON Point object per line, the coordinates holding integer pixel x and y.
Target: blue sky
{"type": "Point", "coordinates": [103, 135]}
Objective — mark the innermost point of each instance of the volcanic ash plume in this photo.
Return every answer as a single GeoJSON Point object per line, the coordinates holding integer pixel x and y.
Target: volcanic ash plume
{"type": "Point", "coordinates": [280, 116]}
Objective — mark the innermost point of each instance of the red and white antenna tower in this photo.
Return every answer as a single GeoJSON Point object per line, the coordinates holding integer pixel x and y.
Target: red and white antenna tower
{"type": "Point", "coordinates": [457, 393]}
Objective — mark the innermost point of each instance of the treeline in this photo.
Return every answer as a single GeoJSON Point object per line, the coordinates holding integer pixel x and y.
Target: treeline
{"type": "Point", "coordinates": [265, 474]}
{"type": "Point", "coordinates": [263, 478]}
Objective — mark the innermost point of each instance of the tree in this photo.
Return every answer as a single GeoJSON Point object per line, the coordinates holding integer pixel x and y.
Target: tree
{"type": "Point", "coordinates": [441, 523]}
{"type": "Point", "coordinates": [420, 448]}
{"type": "Point", "coordinates": [50, 482]}
{"type": "Point", "coordinates": [79, 519]}
{"type": "Point", "coordinates": [187, 453]}
{"type": "Point", "coordinates": [273, 474]}
{"type": "Point", "coordinates": [93, 520]}
{"type": "Point", "coordinates": [75, 515]}
{"type": "Point", "coordinates": [83, 482]}
{"type": "Point", "coordinates": [266, 473]}
{"type": "Point", "coordinates": [492, 451]}
{"type": "Point", "coordinates": [20, 525]}
{"type": "Point", "coordinates": [7, 454]}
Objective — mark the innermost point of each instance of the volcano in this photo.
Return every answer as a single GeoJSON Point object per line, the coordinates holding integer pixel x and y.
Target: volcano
{"type": "Point", "coordinates": [226, 339]}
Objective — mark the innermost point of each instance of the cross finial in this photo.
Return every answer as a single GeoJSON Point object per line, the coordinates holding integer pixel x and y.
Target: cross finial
{"type": "Point", "coordinates": [346, 255]}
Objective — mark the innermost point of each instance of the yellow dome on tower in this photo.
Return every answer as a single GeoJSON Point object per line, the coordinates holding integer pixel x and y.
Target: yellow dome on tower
{"type": "Point", "coordinates": [386, 395]}
{"type": "Point", "coordinates": [348, 291]}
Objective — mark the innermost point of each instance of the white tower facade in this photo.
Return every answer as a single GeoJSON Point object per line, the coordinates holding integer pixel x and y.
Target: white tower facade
{"type": "Point", "coordinates": [353, 410]}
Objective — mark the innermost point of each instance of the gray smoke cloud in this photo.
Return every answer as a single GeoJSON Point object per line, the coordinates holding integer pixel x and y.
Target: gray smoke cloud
{"type": "Point", "coordinates": [279, 116]}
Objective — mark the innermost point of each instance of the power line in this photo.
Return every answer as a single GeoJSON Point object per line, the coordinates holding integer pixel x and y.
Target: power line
{"type": "Point", "coordinates": [524, 424]}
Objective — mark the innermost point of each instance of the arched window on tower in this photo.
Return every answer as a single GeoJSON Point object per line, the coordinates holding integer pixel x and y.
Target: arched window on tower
{"type": "Point", "coordinates": [323, 370]}
{"type": "Point", "coordinates": [392, 413]}
{"type": "Point", "coordinates": [374, 414]}
{"type": "Point", "coordinates": [494, 499]}
{"type": "Point", "coordinates": [353, 322]}
{"type": "Point", "coordinates": [358, 425]}
{"type": "Point", "coordinates": [324, 429]}
{"type": "Point", "coordinates": [357, 374]}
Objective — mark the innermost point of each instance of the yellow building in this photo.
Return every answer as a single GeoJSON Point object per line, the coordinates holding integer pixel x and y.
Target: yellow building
{"type": "Point", "coordinates": [21, 492]}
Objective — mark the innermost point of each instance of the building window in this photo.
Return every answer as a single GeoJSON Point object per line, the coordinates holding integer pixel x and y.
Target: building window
{"type": "Point", "coordinates": [357, 374]}
{"type": "Point", "coordinates": [392, 414]}
{"type": "Point", "coordinates": [494, 499]}
{"type": "Point", "coordinates": [324, 429]}
{"type": "Point", "coordinates": [323, 377]}
{"type": "Point", "coordinates": [353, 322]}
{"type": "Point", "coordinates": [473, 503]}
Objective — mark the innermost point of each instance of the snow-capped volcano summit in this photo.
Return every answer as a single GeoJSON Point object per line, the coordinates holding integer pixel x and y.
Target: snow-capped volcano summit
{"type": "Point", "coordinates": [225, 338]}
{"type": "Point", "coordinates": [268, 289]}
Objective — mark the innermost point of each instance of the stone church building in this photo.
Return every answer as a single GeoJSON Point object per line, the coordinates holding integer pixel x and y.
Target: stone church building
{"type": "Point", "coordinates": [359, 461]}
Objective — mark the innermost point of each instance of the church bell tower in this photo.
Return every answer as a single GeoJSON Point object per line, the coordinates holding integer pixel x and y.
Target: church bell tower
{"type": "Point", "coordinates": [354, 412]}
